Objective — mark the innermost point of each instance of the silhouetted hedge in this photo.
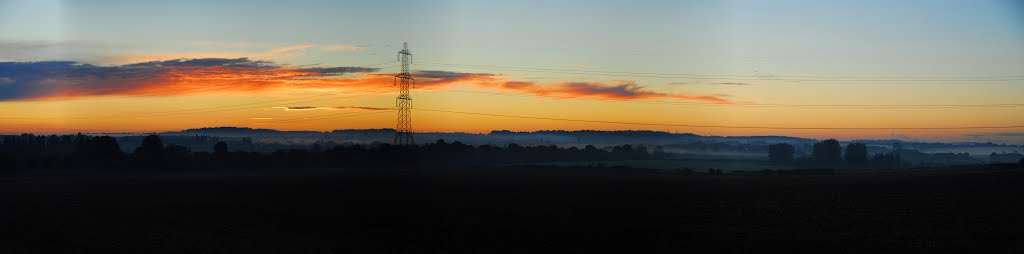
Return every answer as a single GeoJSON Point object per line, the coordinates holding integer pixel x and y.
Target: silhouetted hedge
{"type": "Point", "coordinates": [85, 152]}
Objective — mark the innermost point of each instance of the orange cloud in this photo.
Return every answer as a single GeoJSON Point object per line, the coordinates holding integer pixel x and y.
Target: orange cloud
{"type": "Point", "coordinates": [149, 57]}
{"type": "Point", "coordinates": [56, 80]}
{"type": "Point", "coordinates": [275, 53]}
{"type": "Point", "coordinates": [290, 48]}
{"type": "Point", "coordinates": [352, 108]}
{"type": "Point", "coordinates": [339, 47]}
{"type": "Point", "coordinates": [626, 90]}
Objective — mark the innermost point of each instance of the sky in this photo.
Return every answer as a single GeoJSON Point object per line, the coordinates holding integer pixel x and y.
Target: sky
{"type": "Point", "coordinates": [883, 69]}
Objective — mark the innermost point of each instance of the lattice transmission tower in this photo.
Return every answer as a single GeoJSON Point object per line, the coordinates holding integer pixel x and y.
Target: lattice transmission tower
{"type": "Point", "coordinates": [404, 80]}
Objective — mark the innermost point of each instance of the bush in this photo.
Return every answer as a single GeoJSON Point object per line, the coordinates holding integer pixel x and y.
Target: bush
{"type": "Point", "coordinates": [220, 149]}
{"type": "Point", "coordinates": [781, 153]}
{"type": "Point", "coordinates": [857, 154]}
{"type": "Point", "coordinates": [827, 152]}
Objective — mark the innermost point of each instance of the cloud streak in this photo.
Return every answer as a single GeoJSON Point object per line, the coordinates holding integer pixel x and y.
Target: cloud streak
{"type": "Point", "coordinates": [681, 83]}
{"type": "Point", "coordinates": [339, 47]}
{"type": "Point", "coordinates": [734, 83]}
{"type": "Point", "coordinates": [352, 108]}
{"type": "Point", "coordinates": [277, 53]}
{"type": "Point", "coordinates": [997, 134]}
{"type": "Point", "coordinates": [624, 90]}
{"type": "Point", "coordinates": [65, 79]}
{"type": "Point", "coordinates": [291, 48]}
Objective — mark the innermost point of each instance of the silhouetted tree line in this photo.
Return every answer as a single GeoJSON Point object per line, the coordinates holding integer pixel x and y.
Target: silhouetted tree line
{"type": "Point", "coordinates": [829, 153]}
{"type": "Point", "coordinates": [66, 151]}
{"type": "Point", "coordinates": [1005, 157]}
{"type": "Point", "coordinates": [781, 153]}
{"type": "Point", "coordinates": [719, 146]}
{"type": "Point", "coordinates": [85, 152]}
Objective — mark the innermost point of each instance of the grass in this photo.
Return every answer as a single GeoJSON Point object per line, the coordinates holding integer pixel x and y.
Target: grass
{"type": "Point", "coordinates": [511, 210]}
{"type": "Point", "coordinates": [671, 164]}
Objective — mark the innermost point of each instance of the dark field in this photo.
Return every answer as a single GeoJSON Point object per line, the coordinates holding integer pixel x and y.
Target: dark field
{"type": "Point", "coordinates": [512, 211]}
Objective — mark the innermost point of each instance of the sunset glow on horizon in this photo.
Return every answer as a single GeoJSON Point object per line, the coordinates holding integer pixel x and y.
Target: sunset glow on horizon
{"type": "Point", "coordinates": [917, 70]}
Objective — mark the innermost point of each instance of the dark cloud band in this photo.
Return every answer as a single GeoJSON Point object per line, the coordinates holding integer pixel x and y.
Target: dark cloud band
{"type": "Point", "coordinates": [38, 80]}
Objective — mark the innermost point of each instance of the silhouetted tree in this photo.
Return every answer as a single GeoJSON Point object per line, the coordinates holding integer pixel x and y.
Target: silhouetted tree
{"type": "Point", "coordinates": [176, 152]}
{"type": "Point", "coordinates": [827, 152]}
{"type": "Point", "coordinates": [104, 147]}
{"type": "Point", "coordinates": [659, 152]}
{"type": "Point", "coordinates": [220, 149]}
{"type": "Point", "coordinates": [176, 157]}
{"type": "Point", "coordinates": [885, 160]}
{"type": "Point", "coordinates": [781, 153]}
{"type": "Point", "coordinates": [857, 154]}
{"type": "Point", "coordinates": [1005, 157]}
{"type": "Point", "coordinates": [81, 151]}
{"type": "Point", "coordinates": [151, 149]}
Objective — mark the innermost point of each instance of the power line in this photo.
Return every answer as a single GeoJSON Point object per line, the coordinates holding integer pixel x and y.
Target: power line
{"type": "Point", "coordinates": [346, 114]}
{"type": "Point", "coordinates": [200, 110]}
{"type": "Point", "coordinates": [384, 63]}
{"type": "Point", "coordinates": [165, 92]}
{"type": "Point", "coordinates": [763, 76]}
{"type": "Point", "coordinates": [252, 103]}
{"type": "Point", "coordinates": [204, 110]}
{"type": "Point", "coordinates": [722, 126]}
{"type": "Point", "coordinates": [206, 89]}
{"type": "Point", "coordinates": [281, 100]}
{"type": "Point", "coordinates": [886, 106]}
{"type": "Point", "coordinates": [744, 77]}
{"type": "Point", "coordinates": [232, 109]}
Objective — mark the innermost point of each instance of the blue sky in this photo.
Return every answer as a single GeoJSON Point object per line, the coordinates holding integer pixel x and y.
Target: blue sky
{"type": "Point", "coordinates": [747, 38]}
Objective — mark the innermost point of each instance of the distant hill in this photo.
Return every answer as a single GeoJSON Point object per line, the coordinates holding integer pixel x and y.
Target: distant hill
{"type": "Point", "coordinates": [556, 137]}
{"type": "Point", "coordinates": [236, 132]}
{"type": "Point", "coordinates": [623, 133]}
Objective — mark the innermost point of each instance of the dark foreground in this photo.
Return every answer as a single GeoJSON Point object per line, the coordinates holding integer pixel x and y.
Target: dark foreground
{"type": "Point", "coordinates": [512, 211]}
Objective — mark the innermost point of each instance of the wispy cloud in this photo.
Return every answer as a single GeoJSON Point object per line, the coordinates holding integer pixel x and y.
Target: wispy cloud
{"type": "Point", "coordinates": [65, 79]}
{"type": "Point", "coordinates": [698, 82]}
{"type": "Point", "coordinates": [290, 48]}
{"type": "Point", "coordinates": [997, 134]}
{"type": "Point", "coordinates": [353, 108]}
{"type": "Point", "coordinates": [223, 45]}
{"type": "Point", "coordinates": [302, 108]}
{"type": "Point", "coordinates": [114, 52]}
{"type": "Point", "coordinates": [340, 47]}
{"type": "Point", "coordinates": [625, 90]}
{"type": "Point", "coordinates": [616, 91]}
{"type": "Point", "coordinates": [683, 83]}
{"type": "Point", "coordinates": [285, 52]}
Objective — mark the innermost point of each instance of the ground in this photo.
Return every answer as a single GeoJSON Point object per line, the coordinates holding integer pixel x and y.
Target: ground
{"type": "Point", "coordinates": [726, 165]}
{"type": "Point", "coordinates": [511, 210]}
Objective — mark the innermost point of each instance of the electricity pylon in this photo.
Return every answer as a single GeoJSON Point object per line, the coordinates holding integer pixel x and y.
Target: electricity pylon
{"type": "Point", "coordinates": [404, 80]}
